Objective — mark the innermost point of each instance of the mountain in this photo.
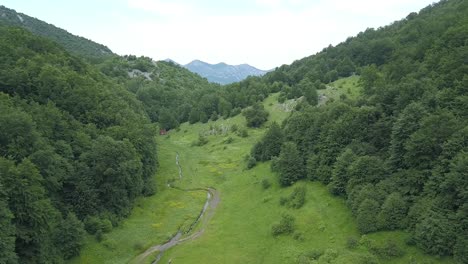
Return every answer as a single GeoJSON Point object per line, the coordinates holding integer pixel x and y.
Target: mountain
{"type": "Point", "coordinates": [73, 44]}
{"type": "Point", "coordinates": [223, 73]}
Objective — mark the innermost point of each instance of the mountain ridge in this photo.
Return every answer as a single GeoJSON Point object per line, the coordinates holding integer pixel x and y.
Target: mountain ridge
{"type": "Point", "coordinates": [74, 44]}
{"type": "Point", "coordinates": [222, 72]}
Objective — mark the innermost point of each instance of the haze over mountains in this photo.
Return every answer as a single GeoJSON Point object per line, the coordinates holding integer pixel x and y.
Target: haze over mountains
{"type": "Point", "coordinates": [223, 73]}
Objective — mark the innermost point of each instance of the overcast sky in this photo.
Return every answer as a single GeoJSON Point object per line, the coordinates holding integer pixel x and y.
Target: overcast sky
{"type": "Point", "coordinates": [263, 33]}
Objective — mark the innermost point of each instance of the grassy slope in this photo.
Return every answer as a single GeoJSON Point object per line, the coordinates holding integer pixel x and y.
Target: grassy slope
{"type": "Point", "coordinates": [240, 229]}
{"type": "Point", "coordinates": [343, 87]}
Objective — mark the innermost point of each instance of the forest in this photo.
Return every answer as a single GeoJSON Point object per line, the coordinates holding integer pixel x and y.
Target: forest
{"type": "Point", "coordinates": [398, 154]}
{"type": "Point", "coordinates": [76, 150]}
{"type": "Point", "coordinates": [78, 146]}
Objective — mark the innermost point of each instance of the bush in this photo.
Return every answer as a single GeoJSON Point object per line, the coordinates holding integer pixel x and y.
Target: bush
{"type": "Point", "coordinates": [94, 224]}
{"type": "Point", "coordinates": [234, 128]}
{"type": "Point", "coordinates": [352, 243]}
{"type": "Point", "coordinates": [329, 256]}
{"type": "Point", "coordinates": [251, 162]}
{"type": "Point", "coordinates": [314, 254]}
{"type": "Point", "coordinates": [255, 115]}
{"type": "Point", "coordinates": [228, 140]}
{"type": "Point", "coordinates": [202, 140]}
{"type": "Point", "coordinates": [389, 250]}
{"type": "Point", "coordinates": [266, 184]}
{"type": "Point", "coordinates": [299, 236]}
{"type": "Point", "coordinates": [243, 133]}
{"type": "Point", "coordinates": [274, 164]}
{"type": "Point", "coordinates": [296, 199]}
{"type": "Point", "coordinates": [285, 225]}
{"type": "Point", "coordinates": [99, 235]}
{"type": "Point", "coordinates": [283, 201]}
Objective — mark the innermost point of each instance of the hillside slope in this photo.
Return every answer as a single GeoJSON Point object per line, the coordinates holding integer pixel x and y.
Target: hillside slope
{"type": "Point", "coordinates": [76, 150]}
{"type": "Point", "coordinates": [398, 152]}
{"type": "Point", "coordinates": [74, 44]}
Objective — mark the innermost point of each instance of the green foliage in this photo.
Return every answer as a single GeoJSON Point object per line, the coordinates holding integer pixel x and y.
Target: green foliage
{"type": "Point", "coordinates": [366, 218]}
{"type": "Point", "coordinates": [95, 225]}
{"type": "Point", "coordinates": [266, 184]}
{"type": "Point", "coordinates": [73, 44]}
{"type": "Point", "coordinates": [7, 231]}
{"type": "Point", "coordinates": [340, 172]}
{"type": "Point", "coordinates": [270, 145]}
{"type": "Point", "coordinates": [352, 242]}
{"type": "Point", "coordinates": [251, 162]}
{"type": "Point", "coordinates": [70, 236]}
{"type": "Point", "coordinates": [436, 232]}
{"type": "Point", "coordinates": [290, 164]}
{"type": "Point", "coordinates": [393, 212]}
{"type": "Point", "coordinates": [255, 115]}
{"type": "Point", "coordinates": [72, 141]}
{"type": "Point", "coordinates": [202, 140]}
{"type": "Point", "coordinates": [284, 227]}
{"type": "Point", "coordinates": [243, 133]}
{"type": "Point", "coordinates": [296, 199]}
{"type": "Point", "coordinates": [389, 249]}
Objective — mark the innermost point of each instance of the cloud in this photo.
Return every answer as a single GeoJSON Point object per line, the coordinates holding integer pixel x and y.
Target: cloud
{"type": "Point", "coordinates": [278, 32]}
{"type": "Point", "coordinates": [162, 7]}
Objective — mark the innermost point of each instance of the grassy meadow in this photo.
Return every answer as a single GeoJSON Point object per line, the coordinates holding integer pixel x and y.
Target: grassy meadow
{"type": "Point", "coordinates": [240, 231]}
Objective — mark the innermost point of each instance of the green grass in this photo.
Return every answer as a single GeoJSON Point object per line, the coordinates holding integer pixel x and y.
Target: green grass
{"type": "Point", "coordinates": [240, 231]}
{"type": "Point", "coordinates": [344, 87]}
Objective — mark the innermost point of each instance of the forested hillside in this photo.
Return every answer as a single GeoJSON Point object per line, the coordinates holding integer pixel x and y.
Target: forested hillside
{"type": "Point", "coordinates": [76, 150]}
{"type": "Point", "coordinates": [398, 153]}
{"type": "Point", "coordinates": [172, 95]}
{"type": "Point", "coordinates": [73, 44]}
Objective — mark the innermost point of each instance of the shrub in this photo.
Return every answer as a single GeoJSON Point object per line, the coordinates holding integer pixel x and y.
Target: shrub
{"type": "Point", "coordinates": [283, 201]}
{"type": "Point", "coordinates": [234, 128]}
{"type": "Point", "coordinates": [352, 243]}
{"type": "Point", "coordinates": [285, 225]}
{"type": "Point", "coordinates": [228, 140]}
{"type": "Point", "coordinates": [389, 250]}
{"type": "Point", "coordinates": [296, 199]}
{"type": "Point", "coordinates": [314, 254]}
{"type": "Point", "coordinates": [329, 256]}
{"type": "Point", "coordinates": [266, 184]}
{"type": "Point", "coordinates": [251, 162]}
{"type": "Point", "coordinates": [99, 235]}
{"type": "Point", "coordinates": [299, 236]}
{"type": "Point", "coordinates": [243, 133]}
{"type": "Point", "coordinates": [202, 140]}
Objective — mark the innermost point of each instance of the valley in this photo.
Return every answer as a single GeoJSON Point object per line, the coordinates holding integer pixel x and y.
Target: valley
{"type": "Point", "coordinates": [355, 154]}
{"type": "Point", "coordinates": [240, 228]}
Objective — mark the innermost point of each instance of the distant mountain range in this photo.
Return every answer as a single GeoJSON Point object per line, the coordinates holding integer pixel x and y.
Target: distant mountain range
{"type": "Point", "coordinates": [223, 73]}
{"type": "Point", "coordinates": [73, 44]}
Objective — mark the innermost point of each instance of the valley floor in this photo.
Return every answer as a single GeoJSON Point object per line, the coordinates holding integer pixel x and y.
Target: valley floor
{"type": "Point", "coordinates": [240, 228]}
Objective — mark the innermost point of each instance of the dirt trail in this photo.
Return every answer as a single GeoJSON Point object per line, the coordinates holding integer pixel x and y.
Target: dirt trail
{"type": "Point", "coordinates": [207, 212]}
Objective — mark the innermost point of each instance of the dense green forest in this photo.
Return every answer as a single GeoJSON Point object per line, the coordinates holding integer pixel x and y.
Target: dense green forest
{"type": "Point", "coordinates": [86, 48]}
{"type": "Point", "coordinates": [399, 153]}
{"type": "Point", "coordinates": [76, 150]}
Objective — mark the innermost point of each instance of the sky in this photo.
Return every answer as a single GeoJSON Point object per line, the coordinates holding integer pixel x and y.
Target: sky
{"type": "Point", "coordinates": [262, 33]}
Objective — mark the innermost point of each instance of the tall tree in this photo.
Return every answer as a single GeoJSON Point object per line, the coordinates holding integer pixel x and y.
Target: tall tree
{"type": "Point", "coordinates": [290, 164]}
